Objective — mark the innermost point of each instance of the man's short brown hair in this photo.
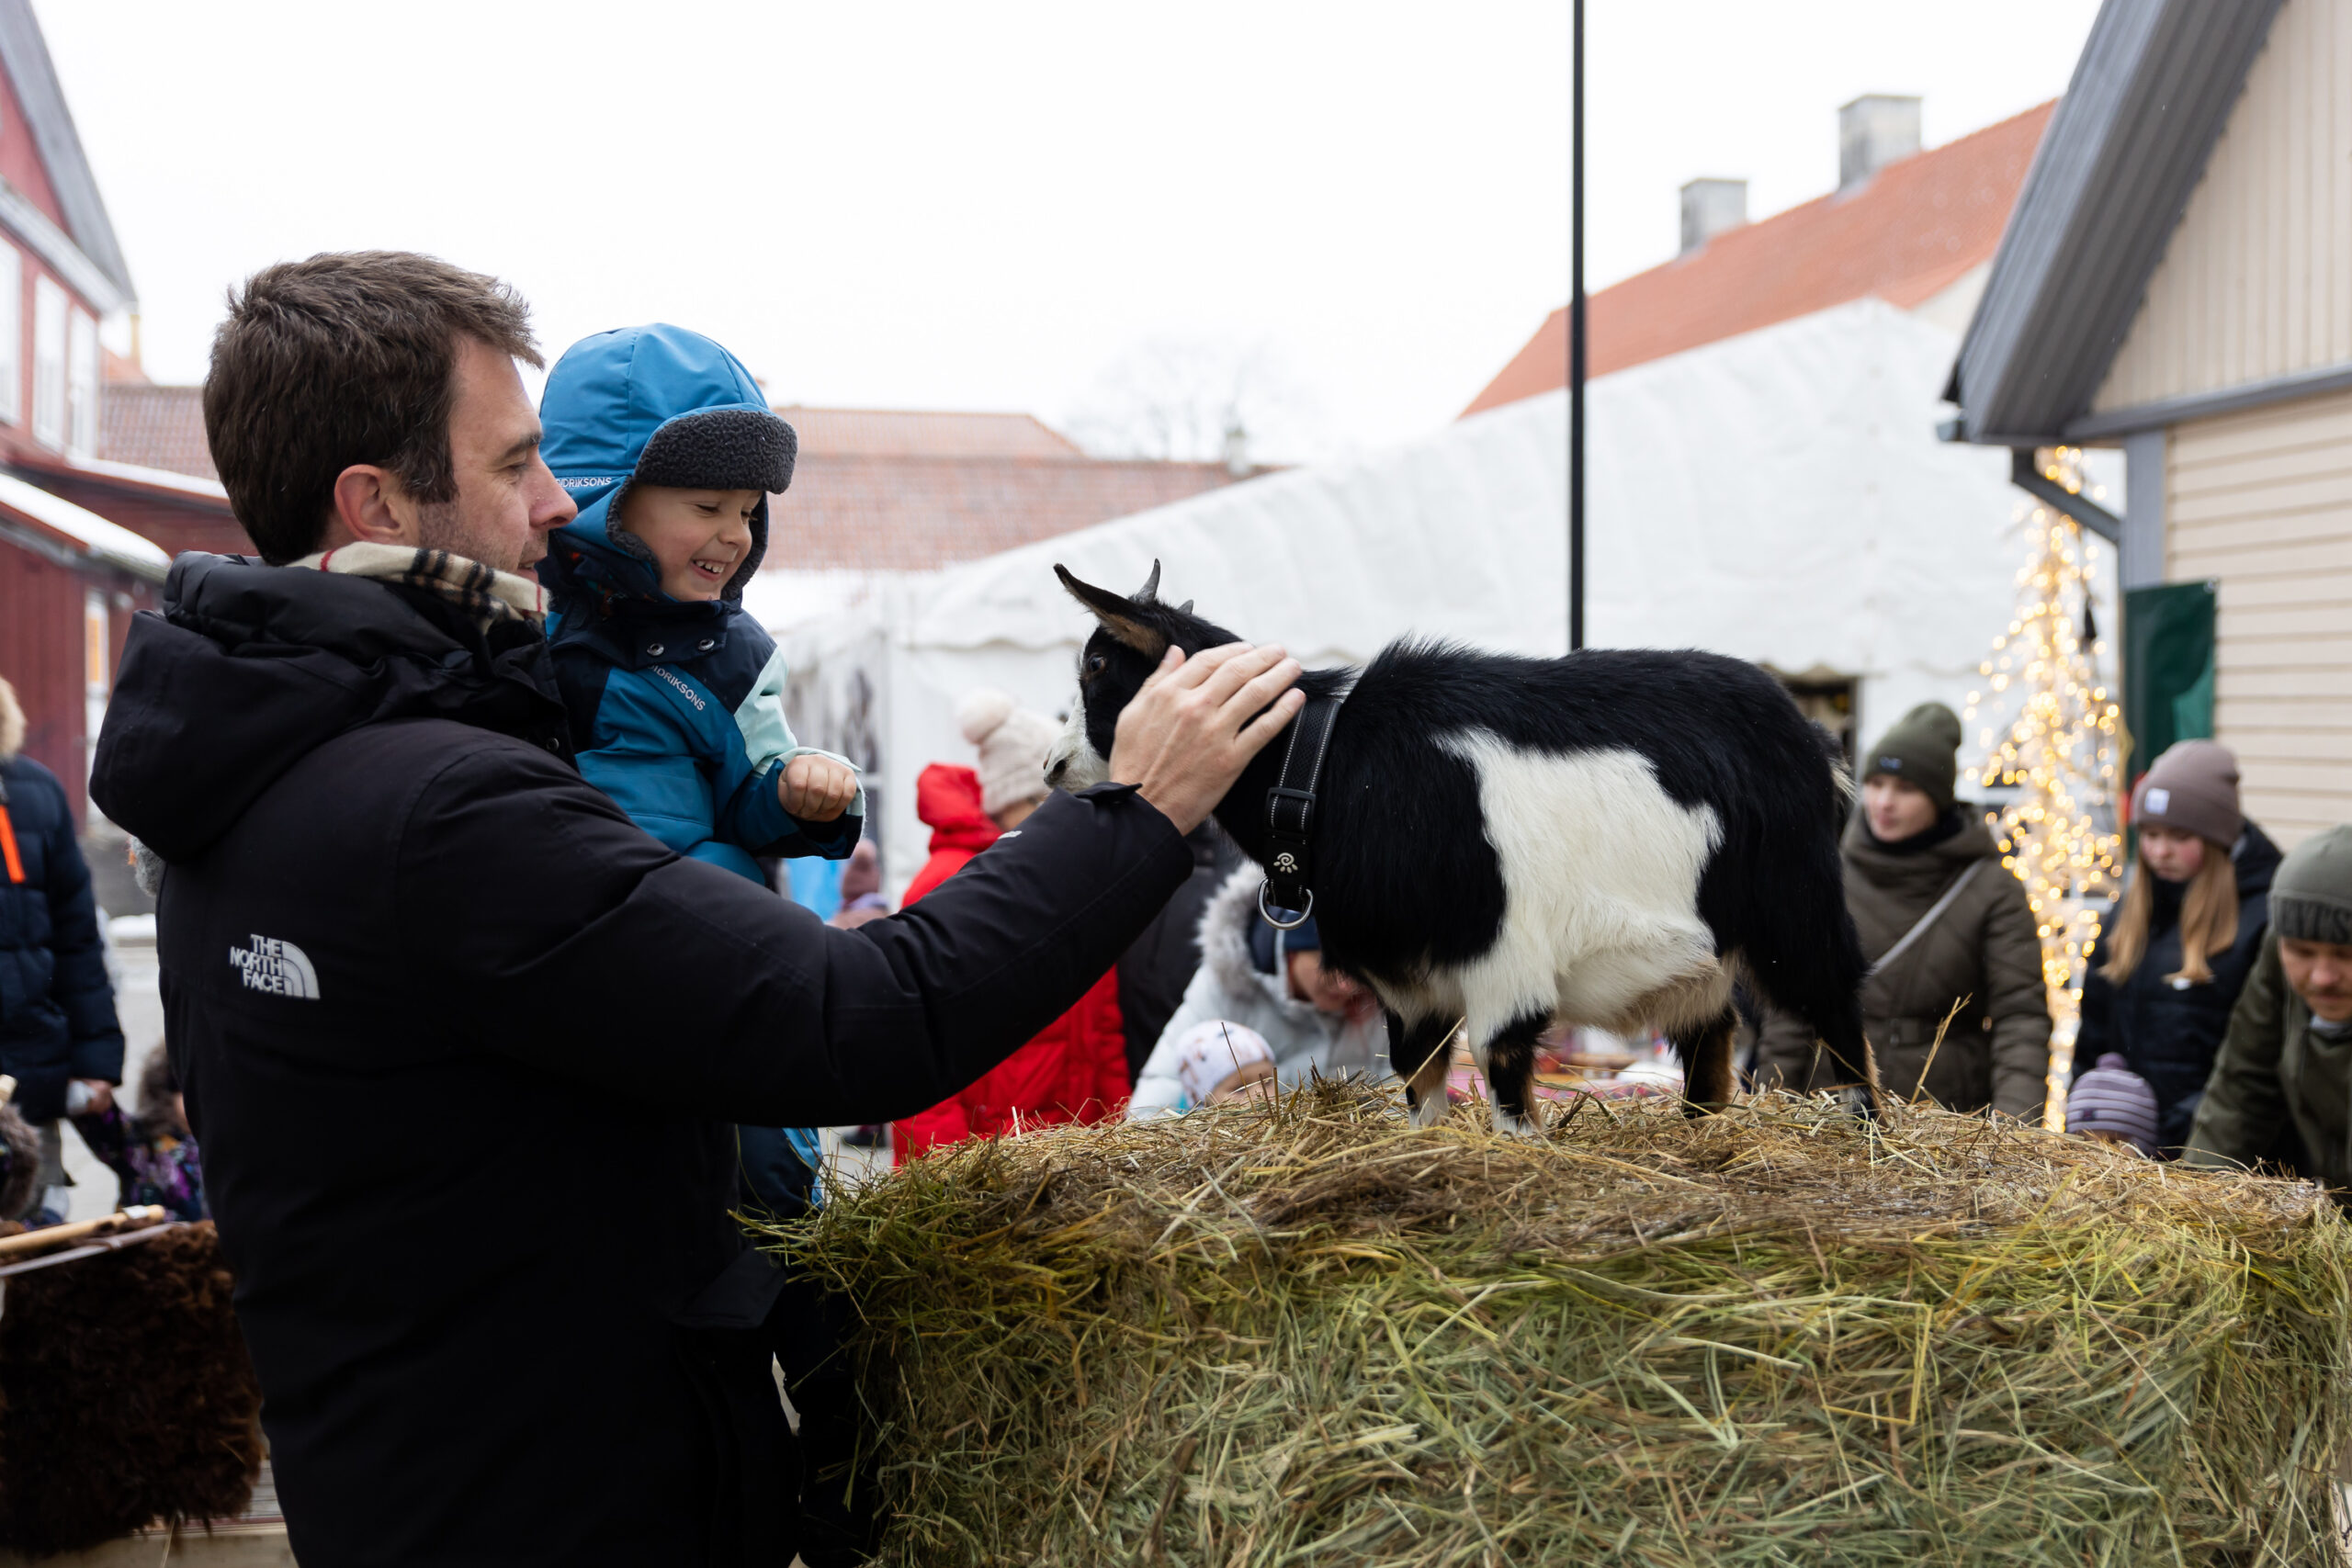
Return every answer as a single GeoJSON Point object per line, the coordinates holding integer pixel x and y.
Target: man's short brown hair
{"type": "Point", "coordinates": [348, 357]}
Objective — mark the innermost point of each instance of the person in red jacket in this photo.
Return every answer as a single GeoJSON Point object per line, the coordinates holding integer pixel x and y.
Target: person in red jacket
{"type": "Point", "coordinates": [1076, 1069]}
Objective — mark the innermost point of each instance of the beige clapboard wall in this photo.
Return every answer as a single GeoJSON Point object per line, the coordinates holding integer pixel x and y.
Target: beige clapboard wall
{"type": "Point", "coordinates": [2256, 280]}
{"type": "Point", "coordinates": [2262, 500]}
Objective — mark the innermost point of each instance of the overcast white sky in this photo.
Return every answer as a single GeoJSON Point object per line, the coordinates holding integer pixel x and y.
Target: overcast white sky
{"type": "Point", "coordinates": [951, 206]}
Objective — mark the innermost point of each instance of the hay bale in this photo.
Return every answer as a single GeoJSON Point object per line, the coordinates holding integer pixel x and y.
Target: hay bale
{"type": "Point", "coordinates": [1311, 1334]}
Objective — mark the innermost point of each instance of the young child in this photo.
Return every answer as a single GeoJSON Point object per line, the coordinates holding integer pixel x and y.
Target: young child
{"type": "Point", "coordinates": [676, 699]}
{"type": "Point", "coordinates": [676, 693]}
{"type": "Point", "coordinates": [1220, 1063]}
{"type": "Point", "coordinates": [2114, 1104]}
{"type": "Point", "coordinates": [152, 1155]}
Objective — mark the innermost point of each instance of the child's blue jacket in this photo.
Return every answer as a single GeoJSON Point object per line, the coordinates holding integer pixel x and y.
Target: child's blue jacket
{"type": "Point", "coordinates": [676, 707]}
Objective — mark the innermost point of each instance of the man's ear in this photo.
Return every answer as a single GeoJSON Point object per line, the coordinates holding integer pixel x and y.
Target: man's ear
{"type": "Point", "coordinates": [1123, 618]}
{"type": "Point", "coordinates": [367, 510]}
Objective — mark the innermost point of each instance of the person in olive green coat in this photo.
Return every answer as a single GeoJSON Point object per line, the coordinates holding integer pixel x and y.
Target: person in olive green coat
{"type": "Point", "coordinates": [2282, 1087]}
{"type": "Point", "coordinates": [1912, 850]}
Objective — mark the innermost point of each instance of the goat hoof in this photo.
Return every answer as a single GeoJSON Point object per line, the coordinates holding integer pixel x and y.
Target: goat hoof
{"type": "Point", "coordinates": [1861, 1105]}
{"type": "Point", "coordinates": [1429, 1111]}
{"type": "Point", "coordinates": [1517, 1127]}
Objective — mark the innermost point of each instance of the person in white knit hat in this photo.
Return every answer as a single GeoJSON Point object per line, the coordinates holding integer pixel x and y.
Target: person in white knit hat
{"type": "Point", "coordinates": [1077, 1069]}
{"type": "Point", "coordinates": [1013, 742]}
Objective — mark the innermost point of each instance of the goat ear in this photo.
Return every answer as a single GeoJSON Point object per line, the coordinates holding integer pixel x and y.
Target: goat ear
{"type": "Point", "coordinates": [1123, 618]}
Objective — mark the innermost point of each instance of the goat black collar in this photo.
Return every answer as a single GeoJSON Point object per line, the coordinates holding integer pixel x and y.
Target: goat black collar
{"type": "Point", "coordinates": [1290, 816]}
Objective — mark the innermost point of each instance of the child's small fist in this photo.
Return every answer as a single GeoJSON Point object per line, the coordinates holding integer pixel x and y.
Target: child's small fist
{"type": "Point", "coordinates": [815, 789]}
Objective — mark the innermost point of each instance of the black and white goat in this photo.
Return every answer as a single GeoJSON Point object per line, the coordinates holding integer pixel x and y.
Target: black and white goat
{"type": "Point", "coordinates": [1607, 838]}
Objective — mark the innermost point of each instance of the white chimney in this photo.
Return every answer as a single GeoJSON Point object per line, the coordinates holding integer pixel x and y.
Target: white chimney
{"type": "Point", "coordinates": [1710, 207]}
{"type": "Point", "coordinates": [1873, 131]}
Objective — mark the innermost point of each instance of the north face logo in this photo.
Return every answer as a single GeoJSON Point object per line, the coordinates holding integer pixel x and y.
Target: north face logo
{"type": "Point", "coordinates": [279, 967]}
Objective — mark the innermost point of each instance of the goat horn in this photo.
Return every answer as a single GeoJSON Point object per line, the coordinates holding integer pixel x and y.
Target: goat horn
{"type": "Point", "coordinates": [1186, 608]}
{"type": "Point", "coordinates": [1150, 589]}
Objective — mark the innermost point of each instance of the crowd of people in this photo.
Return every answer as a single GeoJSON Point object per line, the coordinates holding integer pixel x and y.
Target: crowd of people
{"type": "Point", "coordinates": [494, 854]}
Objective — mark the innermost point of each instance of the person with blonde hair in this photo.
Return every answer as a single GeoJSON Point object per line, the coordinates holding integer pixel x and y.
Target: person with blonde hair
{"type": "Point", "coordinates": [2171, 955]}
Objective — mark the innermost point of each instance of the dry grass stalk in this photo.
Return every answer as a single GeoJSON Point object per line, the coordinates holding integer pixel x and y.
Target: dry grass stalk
{"type": "Point", "coordinates": [1306, 1333]}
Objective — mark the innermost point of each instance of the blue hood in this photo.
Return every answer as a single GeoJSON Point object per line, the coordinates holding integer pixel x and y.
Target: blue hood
{"type": "Point", "coordinates": [665, 406]}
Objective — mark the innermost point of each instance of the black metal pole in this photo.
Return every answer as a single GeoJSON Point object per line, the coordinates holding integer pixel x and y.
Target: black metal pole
{"type": "Point", "coordinates": [1576, 342]}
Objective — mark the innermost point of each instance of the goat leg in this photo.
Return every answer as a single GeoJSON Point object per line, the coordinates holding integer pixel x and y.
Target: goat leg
{"type": "Point", "coordinates": [1417, 1053]}
{"type": "Point", "coordinates": [1705, 1053]}
{"type": "Point", "coordinates": [1508, 1061]}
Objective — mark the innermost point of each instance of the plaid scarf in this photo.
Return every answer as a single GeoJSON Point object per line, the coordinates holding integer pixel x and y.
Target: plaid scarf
{"type": "Point", "coordinates": [487, 595]}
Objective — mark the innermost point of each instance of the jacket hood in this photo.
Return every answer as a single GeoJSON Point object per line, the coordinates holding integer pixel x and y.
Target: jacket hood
{"type": "Point", "coordinates": [947, 800]}
{"type": "Point", "coordinates": [2257, 862]}
{"type": "Point", "coordinates": [249, 668]}
{"type": "Point", "coordinates": [1225, 948]}
{"type": "Point", "coordinates": [661, 405]}
{"type": "Point", "coordinates": [12, 728]}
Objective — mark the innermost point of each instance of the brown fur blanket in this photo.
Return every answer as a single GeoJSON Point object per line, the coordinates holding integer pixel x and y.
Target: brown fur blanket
{"type": "Point", "coordinates": [125, 1395]}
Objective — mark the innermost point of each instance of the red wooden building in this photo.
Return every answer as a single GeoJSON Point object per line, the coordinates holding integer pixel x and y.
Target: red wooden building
{"type": "Point", "coordinates": [79, 534]}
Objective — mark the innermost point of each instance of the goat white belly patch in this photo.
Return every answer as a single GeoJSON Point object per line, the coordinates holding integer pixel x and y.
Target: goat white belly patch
{"type": "Point", "coordinates": [1601, 872]}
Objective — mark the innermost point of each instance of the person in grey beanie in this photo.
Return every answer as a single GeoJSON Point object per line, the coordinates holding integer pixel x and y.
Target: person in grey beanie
{"type": "Point", "coordinates": [2282, 1087]}
{"type": "Point", "coordinates": [2172, 955]}
{"type": "Point", "coordinates": [1943, 924]}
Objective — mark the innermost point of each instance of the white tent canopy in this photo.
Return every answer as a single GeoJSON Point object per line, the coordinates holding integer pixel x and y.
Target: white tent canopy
{"type": "Point", "coordinates": [1779, 496]}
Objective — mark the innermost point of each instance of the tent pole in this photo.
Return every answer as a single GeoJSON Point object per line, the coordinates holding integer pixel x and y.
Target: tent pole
{"type": "Point", "coordinates": [1576, 339]}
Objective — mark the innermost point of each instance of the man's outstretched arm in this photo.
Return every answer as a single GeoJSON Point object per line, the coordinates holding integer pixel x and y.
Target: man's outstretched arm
{"type": "Point", "coordinates": [565, 937]}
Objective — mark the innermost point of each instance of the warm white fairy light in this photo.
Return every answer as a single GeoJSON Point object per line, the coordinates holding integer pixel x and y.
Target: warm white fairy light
{"type": "Point", "coordinates": [2061, 751]}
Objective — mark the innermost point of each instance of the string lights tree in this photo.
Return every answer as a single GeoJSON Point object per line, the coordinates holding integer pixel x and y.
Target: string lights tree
{"type": "Point", "coordinates": [2060, 752]}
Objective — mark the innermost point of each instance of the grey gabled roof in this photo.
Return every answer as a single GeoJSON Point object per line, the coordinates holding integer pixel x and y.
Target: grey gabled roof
{"type": "Point", "coordinates": [2128, 144]}
{"type": "Point", "coordinates": [24, 53]}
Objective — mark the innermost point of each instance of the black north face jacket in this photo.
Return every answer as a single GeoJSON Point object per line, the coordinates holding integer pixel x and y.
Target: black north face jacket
{"type": "Point", "coordinates": [414, 971]}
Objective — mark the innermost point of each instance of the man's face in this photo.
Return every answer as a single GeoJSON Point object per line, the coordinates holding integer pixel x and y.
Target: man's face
{"type": "Point", "coordinates": [507, 500]}
{"type": "Point", "coordinates": [2321, 973]}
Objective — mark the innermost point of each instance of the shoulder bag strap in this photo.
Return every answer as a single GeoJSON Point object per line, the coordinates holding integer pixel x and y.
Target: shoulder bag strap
{"type": "Point", "coordinates": [1935, 912]}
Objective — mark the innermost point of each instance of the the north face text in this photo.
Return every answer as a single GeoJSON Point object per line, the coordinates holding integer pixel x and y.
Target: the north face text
{"type": "Point", "coordinates": [279, 967]}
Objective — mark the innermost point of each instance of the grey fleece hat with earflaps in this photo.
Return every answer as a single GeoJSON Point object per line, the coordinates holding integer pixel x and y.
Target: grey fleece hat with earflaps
{"type": "Point", "coordinates": [1921, 747]}
{"type": "Point", "coordinates": [2311, 894]}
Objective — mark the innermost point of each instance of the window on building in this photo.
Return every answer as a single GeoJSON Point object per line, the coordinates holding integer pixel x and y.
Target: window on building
{"type": "Point", "coordinates": [48, 363]}
{"type": "Point", "coordinates": [1826, 698]}
{"type": "Point", "coordinates": [11, 334]}
{"type": "Point", "coordinates": [81, 385]}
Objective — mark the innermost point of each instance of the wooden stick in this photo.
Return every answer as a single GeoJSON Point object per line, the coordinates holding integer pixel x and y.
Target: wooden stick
{"type": "Point", "coordinates": [138, 1217]}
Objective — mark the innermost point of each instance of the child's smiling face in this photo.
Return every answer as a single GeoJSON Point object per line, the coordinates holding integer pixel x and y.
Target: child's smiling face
{"type": "Point", "coordinates": [698, 538]}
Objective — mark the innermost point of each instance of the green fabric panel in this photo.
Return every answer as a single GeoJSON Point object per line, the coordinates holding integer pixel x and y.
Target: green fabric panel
{"type": "Point", "coordinates": [2167, 668]}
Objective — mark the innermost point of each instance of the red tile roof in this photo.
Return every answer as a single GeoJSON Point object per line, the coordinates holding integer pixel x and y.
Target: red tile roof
{"type": "Point", "coordinates": [1904, 236]}
{"type": "Point", "coordinates": [875, 488]}
{"type": "Point", "coordinates": [913, 514]}
{"type": "Point", "coordinates": [908, 433]}
{"type": "Point", "coordinates": [155, 427]}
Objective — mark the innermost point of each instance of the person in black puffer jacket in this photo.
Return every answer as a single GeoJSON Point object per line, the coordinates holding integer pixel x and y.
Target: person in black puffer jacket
{"type": "Point", "coordinates": [2172, 954]}
{"type": "Point", "coordinates": [58, 1034]}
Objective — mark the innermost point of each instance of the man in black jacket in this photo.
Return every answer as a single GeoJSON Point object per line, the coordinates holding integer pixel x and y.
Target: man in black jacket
{"type": "Point", "coordinates": [461, 1044]}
